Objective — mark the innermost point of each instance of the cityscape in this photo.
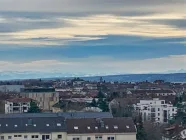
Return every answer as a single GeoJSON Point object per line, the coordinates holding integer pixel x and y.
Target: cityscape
{"type": "Point", "coordinates": [92, 70]}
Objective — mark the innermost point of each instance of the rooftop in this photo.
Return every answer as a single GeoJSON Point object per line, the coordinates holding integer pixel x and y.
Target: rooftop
{"type": "Point", "coordinates": [105, 125]}
{"type": "Point", "coordinates": [61, 114]}
{"type": "Point", "coordinates": [151, 91]}
{"type": "Point", "coordinates": [19, 100]}
{"type": "Point", "coordinates": [38, 89]}
{"type": "Point", "coordinates": [32, 124]}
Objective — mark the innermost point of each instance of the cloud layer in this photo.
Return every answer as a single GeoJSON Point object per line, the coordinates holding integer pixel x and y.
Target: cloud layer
{"type": "Point", "coordinates": [121, 36]}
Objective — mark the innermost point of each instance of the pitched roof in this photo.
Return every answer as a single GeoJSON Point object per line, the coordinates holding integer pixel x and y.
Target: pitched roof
{"type": "Point", "coordinates": [61, 114]}
{"type": "Point", "coordinates": [105, 125]}
{"type": "Point", "coordinates": [32, 124]}
{"type": "Point", "coordinates": [172, 131]}
{"type": "Point", "coordinates": [151, 91]}
{"type": "Point", "coordinates": [123, 102]}
{"type": "Point", "coordinates": [19, 100]}
{"type": "Point", "coordinates": [38, 89]}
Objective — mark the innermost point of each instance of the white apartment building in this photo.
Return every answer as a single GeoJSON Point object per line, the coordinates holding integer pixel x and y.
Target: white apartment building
{"type": "Point", "coordinates": [17, 105]}
{"type": "Point", "coordinates": [156, 110]}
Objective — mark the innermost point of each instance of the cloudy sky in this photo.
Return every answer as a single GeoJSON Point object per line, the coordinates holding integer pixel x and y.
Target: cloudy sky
{"type": "Point", "coordinates": [92, 37]}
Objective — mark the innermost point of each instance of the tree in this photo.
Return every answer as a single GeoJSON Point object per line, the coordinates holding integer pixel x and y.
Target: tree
{"type": "Point", "coordinates": [152, 131]}
{"type": "Point", "coordinates": [34, 108]}
{"type": "Point", "coordinates": [103, 105]}
{"type": "Point", "coordinates": [141, 135]}
{"type": "Point", "coordinates": [100, 95]}
{"type": "Point", "coordinates": [93, 103]}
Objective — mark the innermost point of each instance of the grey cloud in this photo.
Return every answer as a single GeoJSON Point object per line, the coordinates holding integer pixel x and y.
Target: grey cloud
{"type": "Point", "coordinates": [83, 5]}
{"type": "Point", "coordinates": [19, 21]}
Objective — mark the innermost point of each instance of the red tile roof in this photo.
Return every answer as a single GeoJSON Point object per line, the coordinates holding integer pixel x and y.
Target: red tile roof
{"type": "Point", "coordinates": [18, 100]}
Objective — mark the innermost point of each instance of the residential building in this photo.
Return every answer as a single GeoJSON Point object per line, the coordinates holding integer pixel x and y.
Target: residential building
{"type": "Point", "coordinates": [156, 110]}
{"type": "Point", "coordinates": [32, 128]}
{"type": "Point", "coordinates": [174, 132]}
{"type": "Point", "coordinates": [17, 105]}
{"type": "Point", "coordinates": [60, 128]}
{"type": "Point", "coordinates": [91, 86]}
{"type": "Point", "coordinates": [101, 129]}
{"type": "Point", "coordinates": [156, 92]}
{"type": "Point", "coordinates": [46, 97]}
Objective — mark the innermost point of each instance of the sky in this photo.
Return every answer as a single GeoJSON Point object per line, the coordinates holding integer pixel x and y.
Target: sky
{"type": "Point", "coordinates": [92, 37]}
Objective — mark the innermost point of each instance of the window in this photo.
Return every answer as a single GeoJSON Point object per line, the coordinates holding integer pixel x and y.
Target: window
{"type": "Point", "coordinates": [75, 139]}
{"type": "Point", "coordinates": [173, 109]}
{"type": "Point", "coordinates": [88, 127]}
{"type": "Point", "coordinates": [98, 137]}
{"type": "Point", "coordinates": [158, 109]}
{"type": "Point", "coordinates": [115, 127]}
{"type": "Point", "coordinates": [162, 102]}
{"type": "Point", "coordinates": [152, 109]}
{"type": "Point", "coordinates": [158, 114]}
{"type": "Point", "coordinates": [17, 136]}
{"type": "Point", "coordinates": [9, 137]}
{"type": "Point", "coordinates": [59, 136]}
{"type": "Point", "coordinates": [47, 137]}
{"type": "Point", "coordinates": [88, 138]}
{"type": "Point", "coordinates": [58, 124]}
{"type": "Point", "coordinates": [2, 137]}
{"type": "Point", "coordinates": [35, 136]}
{"type": "Point", "coordinates": [76, 127]}
{"type": "Point", "coordinates": [110, 138]}
{"type": "Point", "coordinates": [25, 136]}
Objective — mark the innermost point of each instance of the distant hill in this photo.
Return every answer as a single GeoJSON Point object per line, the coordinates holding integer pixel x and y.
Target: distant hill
{"type": "Point", "coordinates": [176, 77]}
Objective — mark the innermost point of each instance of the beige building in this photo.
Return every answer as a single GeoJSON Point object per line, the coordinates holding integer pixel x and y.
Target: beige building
{"type": "Point", "coordinates": [46, 97]}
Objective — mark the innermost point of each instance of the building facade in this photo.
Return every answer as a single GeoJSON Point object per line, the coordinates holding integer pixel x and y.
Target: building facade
{"type": "Point", "coordinates": [51, 127]}
{"type": "Point", "coordinates": [46, 97]}
{"type": "Point", "coordinates": [155, 110]}
{"type": "Point", "coordinates": [17, 105]}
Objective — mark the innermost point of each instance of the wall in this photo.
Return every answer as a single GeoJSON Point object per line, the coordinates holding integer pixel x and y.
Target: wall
{"type": "Point", "coordinates": [46, 100]}
{"type": "Point", "coordinates": [104, 136]}
{"type": "Point", "coordinates": [53, 136]}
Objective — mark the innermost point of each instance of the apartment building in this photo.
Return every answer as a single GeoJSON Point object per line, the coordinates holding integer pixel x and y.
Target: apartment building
{"type": "Point", "coordinates": [51, 127]}
{"type": "Point", "coordinates": [46, 97]}
{"type": "Point", "coordinates": [32, 128]}
{"type": "Point", "coordinates": [101, 129]}
{"type": "Point", "coordinates": [156, 110]}
{"type": "Point", "coordinates": [17, 105]}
